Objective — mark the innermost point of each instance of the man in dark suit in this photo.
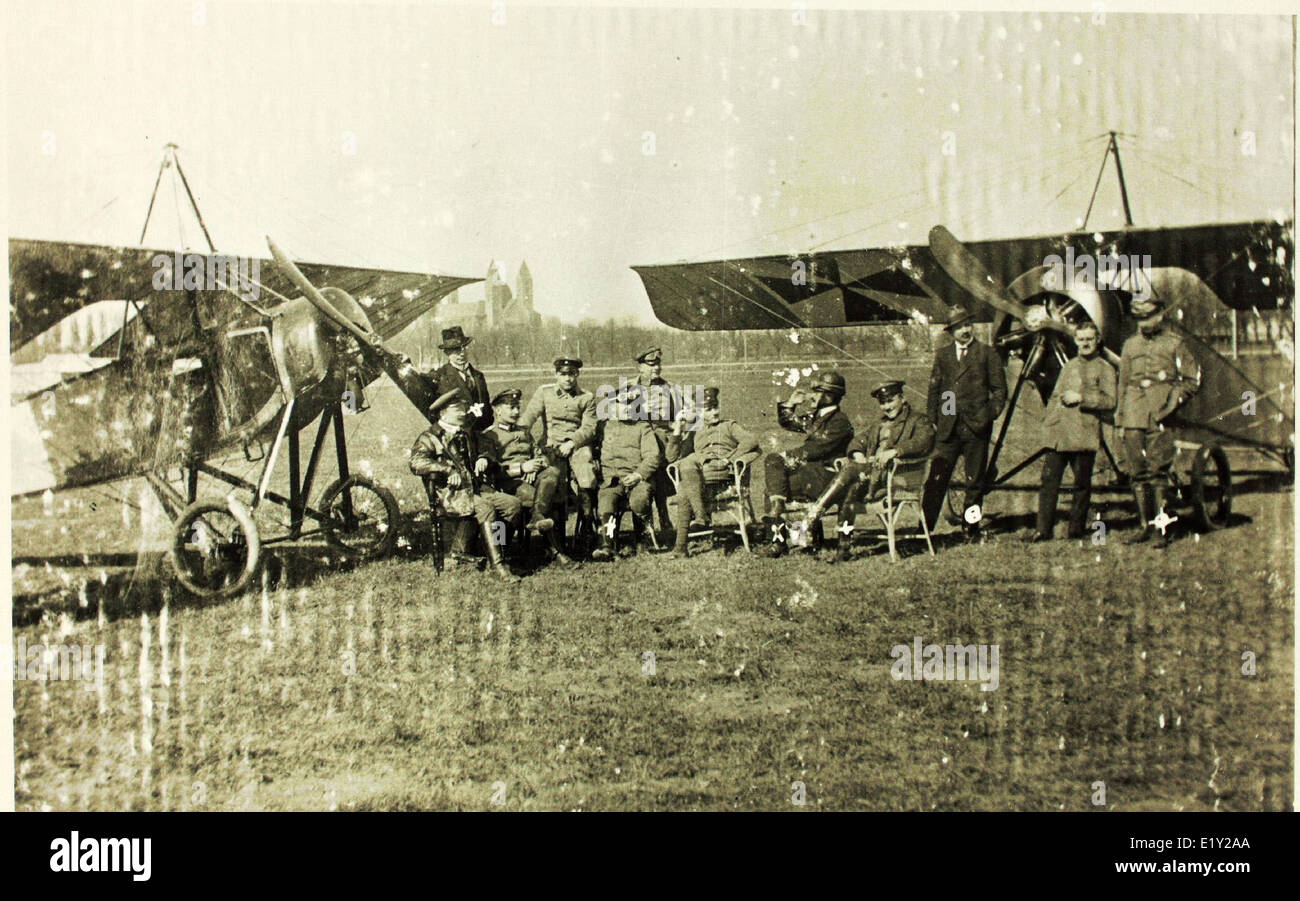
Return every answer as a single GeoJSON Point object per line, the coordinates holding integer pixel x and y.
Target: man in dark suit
{"type": "Point", "coordinates": [458, 374]}
{"type": "Point", "coordinates": [967, 391]}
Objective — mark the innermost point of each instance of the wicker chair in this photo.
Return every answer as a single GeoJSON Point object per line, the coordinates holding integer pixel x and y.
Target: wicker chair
{"type": "Point", "coordinates": [731, 496]}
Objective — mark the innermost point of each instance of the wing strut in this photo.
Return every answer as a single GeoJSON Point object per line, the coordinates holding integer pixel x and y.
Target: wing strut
{"type": "Point", "coordinates": [1112, 146]}
{"type": "Point", "coordinates": [170, 158]}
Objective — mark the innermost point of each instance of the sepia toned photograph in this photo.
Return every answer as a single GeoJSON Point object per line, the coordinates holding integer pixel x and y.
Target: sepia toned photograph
{"type": "Point", "coordinates": [513, 406]}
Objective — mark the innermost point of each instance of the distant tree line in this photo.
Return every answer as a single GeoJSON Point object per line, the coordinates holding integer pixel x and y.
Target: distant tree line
{"type": "Point", "coordinates": [617, 342]}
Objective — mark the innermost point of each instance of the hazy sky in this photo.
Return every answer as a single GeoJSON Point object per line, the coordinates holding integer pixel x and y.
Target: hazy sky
{"type": "Point", "coordinates": [528, 139]}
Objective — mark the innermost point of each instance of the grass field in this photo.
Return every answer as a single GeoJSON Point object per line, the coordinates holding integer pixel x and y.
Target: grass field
{"type": "Point", "coordinates": [720, 682]}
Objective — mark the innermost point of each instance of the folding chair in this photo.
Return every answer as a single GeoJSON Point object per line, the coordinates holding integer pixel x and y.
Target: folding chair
{"type": "Point", "coordinates": [733, 495]}
{"type": "Point", "coordinates": [898, 498]}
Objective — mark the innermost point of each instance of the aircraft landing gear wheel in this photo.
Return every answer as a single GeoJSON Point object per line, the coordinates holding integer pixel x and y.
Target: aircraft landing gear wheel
{"type": "Point", "coordinates": [361, 518]}
{"type": "Point", "coordinates": [215, 548]}
{"type": "Point", "coordinates": [1210, 489]}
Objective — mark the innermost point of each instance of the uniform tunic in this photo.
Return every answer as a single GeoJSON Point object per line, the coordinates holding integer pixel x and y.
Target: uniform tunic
{"type": "Point", "coordinates": [438, 452]}
{"type": "Point", "coordinates": [658, 402]}
{"type": "Point", "coordinates": [509, 447]}
{"type": "Point", "coordinates": [1078, 427]}
{"type": "Point", "coordinates": [909, 433]}
{"type": "Point", "coordinates": [1156, 374]}
{"type": "Point", "coordinates": [626, 448]}
{"type": "Point", "coordinates": [564, 416]}
{"type": "Point", "coordinates": [710, 449]}
{"type": "Point", "coordinates": [1073, 435]}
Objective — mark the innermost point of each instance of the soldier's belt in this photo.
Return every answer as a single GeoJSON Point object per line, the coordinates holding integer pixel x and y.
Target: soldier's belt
{"type": "Point", "coordinates": [1147, 383]}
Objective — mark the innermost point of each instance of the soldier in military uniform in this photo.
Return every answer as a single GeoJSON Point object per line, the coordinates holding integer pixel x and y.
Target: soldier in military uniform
{"type": "Point", "coordinates": [448, 458]}
{"type": "Point", "coordinates": [659, 402]}
{"type": "Point", "coordinates": [516, 462]}
{"type": "Point", "coordinates": [1085, 391]}
{"type": "Point", "coordinates": [567, 415]}
{"type": "Point", "coordinates": [805, 471]}
{"type": "Point", "coordinates": [706, 453]}
{"type": "Point", "coordinates": [630, 456]}
{"type": "Point", "coordinates": [458, 374]}
{"type": "Point", "coordinates": [900, 432]}
{"type": "Point", "coordinates": [1157, 374]}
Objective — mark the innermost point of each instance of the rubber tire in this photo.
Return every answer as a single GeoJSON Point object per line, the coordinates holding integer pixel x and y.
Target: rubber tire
{"type": "Point", "coordinates": [1210, 463]}
{"type": "Point", "coordinates": [392, 514]}
{"type": "Point", "coordinates": [253, 541]}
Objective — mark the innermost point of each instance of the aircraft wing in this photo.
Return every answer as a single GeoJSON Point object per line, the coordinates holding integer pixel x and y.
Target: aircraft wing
{"type": "Point", "coordinates": [49, 280]}
{"type": "Point", "coordinates": [1247, 264]}
{"type": "Point", "coordinates": [392, 299]}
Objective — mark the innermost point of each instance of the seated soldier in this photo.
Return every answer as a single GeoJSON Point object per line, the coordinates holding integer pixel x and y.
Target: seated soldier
{"type": "Point", "coordinates": [707, 453]}
{"type": "Point", "coordinates": [516, 462]}
{"type": "Point", "coordinates": [447, 456]}
{"type": "Point", "coordinates": [629, 459]}
{"type": "Point", "coordinates": [568, 427]}
{"type": "Point", "coordinates": [900, 432]}
{"type": "Point", "coordinates": [805, 471]}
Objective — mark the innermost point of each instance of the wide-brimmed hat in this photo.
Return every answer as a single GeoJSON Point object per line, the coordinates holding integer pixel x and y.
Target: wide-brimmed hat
{"type": "Point", "coordinates": [454, 338]}
{"type": "Point", "coordinates": [957, 316]}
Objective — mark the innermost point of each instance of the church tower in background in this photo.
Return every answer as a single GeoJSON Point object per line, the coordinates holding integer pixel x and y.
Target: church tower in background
{"type": "Point", "coordinates": [524, 288]}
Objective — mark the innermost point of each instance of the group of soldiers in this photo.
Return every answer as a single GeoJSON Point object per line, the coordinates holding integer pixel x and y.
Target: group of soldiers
{"type": "Point", "coordinates": [487, 460]}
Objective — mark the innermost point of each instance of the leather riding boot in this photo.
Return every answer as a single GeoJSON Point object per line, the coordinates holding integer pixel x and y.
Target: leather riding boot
{"type": "Point", "coordinates": [1158, 510]}
{"type": "Point", "coordinates": [498, 565]}
{"type": "Point", "coordinates": [606, 542]}
{"type": "Point", "coordinates": [692, 494]}
{"type": "Point", "coordinates": [776, 546]}
{"type": "Point", "coordinates": [541, 519]}
{"type": "Point", "coordinates": [1142, 494]}
{"type": "Point", "coordinates": [461, 536]}
{"type": "Point", "coordinates": [517, 537]}
{"type": "Point", "coordinates": [775, 507]}
{"type": "Point", "coordinates": [843, 548]}
{"type": "Point", "coordinates": [646, 539]}
{"type": "Point", "coordinates": [557, 553]}
{"type": "Point", "coordinates": [815, 536]}
{"type": "Point", "coordinates": [585, 524]}
{"type": "Point", "coordinates": [633, 545]}
{"type": "Point", "coordinates": [681, 542]}
{"type": "Point", "coordinates": [842, 480]}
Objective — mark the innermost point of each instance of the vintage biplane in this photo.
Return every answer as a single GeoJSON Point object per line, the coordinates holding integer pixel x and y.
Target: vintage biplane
{"type": "Point", "coordinates": [197, 373]}
{"type": "Point", "coordinates": [1030, 290]}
